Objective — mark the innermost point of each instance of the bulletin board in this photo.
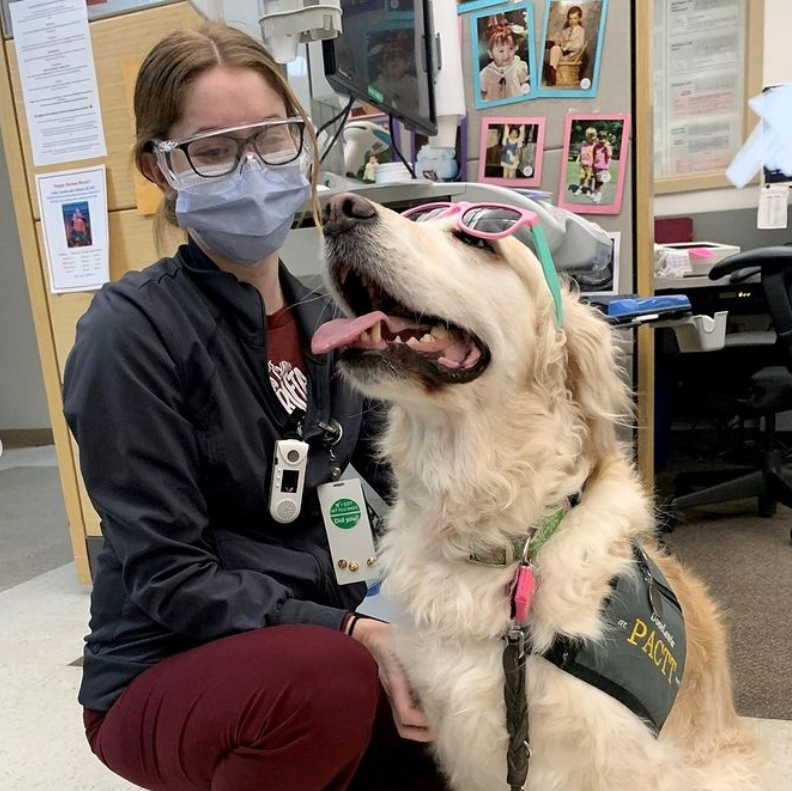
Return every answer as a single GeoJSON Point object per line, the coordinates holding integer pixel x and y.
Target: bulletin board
{"type": "Point", "coordinates": [707, 65]}
{"type": "Point", "coordinates": [547, 116]}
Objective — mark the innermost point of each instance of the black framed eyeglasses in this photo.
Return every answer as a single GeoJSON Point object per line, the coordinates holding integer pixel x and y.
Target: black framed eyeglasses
{"type": "Point", "coordinates": [218, 153]}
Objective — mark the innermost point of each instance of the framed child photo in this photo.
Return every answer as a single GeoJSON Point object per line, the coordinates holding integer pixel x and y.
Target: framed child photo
{"type": "Point", "coordinates": [502, 44]}
{"type": "Point", "coordinates": [511, 151]}
{"type": "Point", "coordinates": [594, 163]}
{"type": "Point", "coordinates": [571, 48]}
{"type": "Point", "coordinates": [440, 165]}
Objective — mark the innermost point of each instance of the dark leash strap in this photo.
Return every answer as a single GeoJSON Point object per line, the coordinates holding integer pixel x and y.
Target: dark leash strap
{"type": "Point", "coordinates": [514, 692]}
{"type": "Point", "coordinates": [515, 654]}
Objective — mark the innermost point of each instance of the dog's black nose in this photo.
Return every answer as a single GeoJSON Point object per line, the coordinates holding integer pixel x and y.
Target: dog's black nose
{"type": "Point", "coordinates": [345, 211]}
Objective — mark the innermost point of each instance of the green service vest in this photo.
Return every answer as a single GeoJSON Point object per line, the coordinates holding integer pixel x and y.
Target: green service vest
{"type": "Point", "coordinates": [641, 660]}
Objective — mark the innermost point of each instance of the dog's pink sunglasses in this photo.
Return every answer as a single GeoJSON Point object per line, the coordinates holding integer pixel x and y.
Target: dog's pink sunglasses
{"type": "Point", "coordinates": [494, 221]}
{"type": "Point", "coordinates": [483, 220]}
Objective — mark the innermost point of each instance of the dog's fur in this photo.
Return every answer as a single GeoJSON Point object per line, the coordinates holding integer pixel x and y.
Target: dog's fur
{"type": "Point", "coordinates": [480, 463]}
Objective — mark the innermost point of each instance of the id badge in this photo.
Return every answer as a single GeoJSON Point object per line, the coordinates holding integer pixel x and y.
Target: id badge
{"type": "Point", "coordinates": [348, 531]}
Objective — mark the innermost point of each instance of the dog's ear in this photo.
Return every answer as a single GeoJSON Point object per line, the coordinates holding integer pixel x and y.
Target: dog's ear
{"type": "Point", "coordinates": [594, 377]}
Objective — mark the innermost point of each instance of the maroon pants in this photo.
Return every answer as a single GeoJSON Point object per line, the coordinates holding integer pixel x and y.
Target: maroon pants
{"type": "Point", "coordinates": [289, 708]}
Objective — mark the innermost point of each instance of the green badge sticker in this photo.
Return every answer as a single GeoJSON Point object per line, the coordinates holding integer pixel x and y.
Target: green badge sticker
{"type": "Point", "coordinates": [376, 95]}
{"type": "Point", "coordinates": [345, 513]}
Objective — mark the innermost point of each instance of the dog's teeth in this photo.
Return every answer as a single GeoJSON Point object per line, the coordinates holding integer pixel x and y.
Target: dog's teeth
{"type": "Point", "coordinates": [439, 332]}
{"type": "Point", "coordinates": [398, 339]}
{"type": "Point", "coordinates": [412, 342]}
{"type": "Point", "coordinates": [427, 338]}
{"type": "Point", "coordinates": [364, 336]}
{"type": "Point", "coordinates": [376, 332]}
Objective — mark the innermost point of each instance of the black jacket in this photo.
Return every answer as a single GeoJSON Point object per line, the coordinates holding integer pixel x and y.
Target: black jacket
{"type": "Point", "coordinates": [167, 393]}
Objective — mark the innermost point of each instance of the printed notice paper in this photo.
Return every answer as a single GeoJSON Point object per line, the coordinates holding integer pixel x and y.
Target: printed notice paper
{"type": "Point", "coordinates": [699, 64]}
{"type": "Point", "coordinates": [74, 219]}
{"type": "Point", "coordinates": [58, 78]}
{"type": "Point", "coordinates": [773, 207]}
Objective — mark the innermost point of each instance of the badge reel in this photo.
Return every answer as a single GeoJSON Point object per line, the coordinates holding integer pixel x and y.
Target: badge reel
{"type": "Point", "coordinates": [288, 478]}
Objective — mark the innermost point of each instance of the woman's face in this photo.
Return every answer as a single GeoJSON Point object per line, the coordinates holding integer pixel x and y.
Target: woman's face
{"type": "Point", "coordinates": [227, 96]}
{"type": "Point", "coordinates": [222, 97]}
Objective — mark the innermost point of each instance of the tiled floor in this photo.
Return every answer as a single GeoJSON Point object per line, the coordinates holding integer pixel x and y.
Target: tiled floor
{"type": "Point", "coordinates": [42, 747]}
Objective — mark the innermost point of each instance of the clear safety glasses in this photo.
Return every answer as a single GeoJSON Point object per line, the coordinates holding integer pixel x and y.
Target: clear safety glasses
{"type": "Point", "coordinates": [494, 221]}
{"type": "Point", "coordinates": [215, 154]}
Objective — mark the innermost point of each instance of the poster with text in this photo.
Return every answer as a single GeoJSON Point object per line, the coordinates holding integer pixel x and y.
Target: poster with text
{"type": "Point", "coordinates": [75, 226]}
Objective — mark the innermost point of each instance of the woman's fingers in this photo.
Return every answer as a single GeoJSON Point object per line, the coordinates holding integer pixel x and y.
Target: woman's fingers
{"type": "Point", "coordinates": [411, 722]}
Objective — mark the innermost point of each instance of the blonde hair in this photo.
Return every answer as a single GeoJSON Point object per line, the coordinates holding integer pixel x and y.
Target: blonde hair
{"type": "Point", "coordinates": [168, 71]}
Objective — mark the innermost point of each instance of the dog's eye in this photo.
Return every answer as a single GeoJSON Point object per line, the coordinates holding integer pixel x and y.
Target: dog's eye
{"type": "Point", "coordinates": [473, 241]}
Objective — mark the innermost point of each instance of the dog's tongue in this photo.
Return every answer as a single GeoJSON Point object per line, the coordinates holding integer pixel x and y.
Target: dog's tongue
{"type": "Point", "coordinates": [342, 332]}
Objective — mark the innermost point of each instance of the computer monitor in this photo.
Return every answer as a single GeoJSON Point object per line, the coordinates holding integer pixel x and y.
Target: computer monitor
{"type": "Point", "coordinates": [384, 58]}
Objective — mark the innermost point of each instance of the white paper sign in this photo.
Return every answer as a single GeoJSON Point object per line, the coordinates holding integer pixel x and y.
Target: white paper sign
{"type": "Point", "coordinates": [348, 531]}
{"type": "Point", "coordinates": [699, 76]}
{"type": "Point", "coordinates": [56, 68]}
{"type": "Point", "coordinates": [773, 211]}
{"type": "Point", "coordinates": [74, 219]}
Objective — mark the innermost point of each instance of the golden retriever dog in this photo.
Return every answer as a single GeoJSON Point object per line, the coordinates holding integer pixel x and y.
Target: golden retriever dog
{"type": "Point", "coordinates": [498, 415]}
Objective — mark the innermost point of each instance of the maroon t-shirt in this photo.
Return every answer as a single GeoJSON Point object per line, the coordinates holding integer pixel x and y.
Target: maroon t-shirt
{"type": "Point", "coordinates": [287, 370]}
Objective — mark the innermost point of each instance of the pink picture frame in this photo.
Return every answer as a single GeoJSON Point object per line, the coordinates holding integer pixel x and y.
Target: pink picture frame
{"type": "Point", "coordinates": [516, 140]}
{"type": "Point", "coordinates": [596, 146]}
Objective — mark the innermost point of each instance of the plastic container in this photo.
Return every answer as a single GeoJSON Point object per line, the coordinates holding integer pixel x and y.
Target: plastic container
{"type": "Point", "coordinates": [701, 333]}
{"type": "Point", "coordinates": [391, 173]}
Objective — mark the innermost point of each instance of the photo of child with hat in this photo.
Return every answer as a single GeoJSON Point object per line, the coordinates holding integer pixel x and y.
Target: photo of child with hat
{"type": "Point", "coordinates": [501, 42]}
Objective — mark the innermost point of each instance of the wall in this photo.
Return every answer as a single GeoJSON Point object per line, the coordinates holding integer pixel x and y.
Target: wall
{"type": "Point", "coordinates": [776, 63]}
{"type": "Point", "coordinates": [23, 402]}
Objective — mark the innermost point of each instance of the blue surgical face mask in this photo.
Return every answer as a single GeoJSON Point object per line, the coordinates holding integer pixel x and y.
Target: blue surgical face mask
{"type": "Point", "coordinates": [246, 217]}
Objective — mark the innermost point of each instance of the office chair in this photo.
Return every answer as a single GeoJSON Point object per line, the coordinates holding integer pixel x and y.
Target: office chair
{"type": "Point", "coordinates": [770, 392]}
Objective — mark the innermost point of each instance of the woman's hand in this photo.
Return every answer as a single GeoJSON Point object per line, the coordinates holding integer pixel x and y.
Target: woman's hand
{"type": "Point", "coordinates": [407, 714]}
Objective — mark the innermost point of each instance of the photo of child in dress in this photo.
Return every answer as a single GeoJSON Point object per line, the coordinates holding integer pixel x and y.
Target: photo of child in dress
{"type": "Point", "coordinates": [511, 147]}
{"type": "Point", "coordinates": [594, 162]}
{"type": "Point", "coordinates": [571, 45]}
{"type": "Point", "coordinates": [603, 153]}
{"type": "Point", "coordinates": [391, 67]}
{"type": "Point", "coordinates": [502, 50]}
{"type": "Point", "coordinates": [77, 224]}
{"type": "Point", "coordinates": [511, 151]}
